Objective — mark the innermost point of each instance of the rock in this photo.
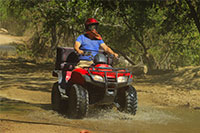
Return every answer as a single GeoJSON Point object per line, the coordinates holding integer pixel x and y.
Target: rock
{"type": "Point", "coordinates": [2, 30]}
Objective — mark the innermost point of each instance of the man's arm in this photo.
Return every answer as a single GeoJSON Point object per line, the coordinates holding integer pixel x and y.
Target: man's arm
{"type": "Point", "coordinates": [108, 50]}
{"type": "Point", "coordinates": [77, 46]}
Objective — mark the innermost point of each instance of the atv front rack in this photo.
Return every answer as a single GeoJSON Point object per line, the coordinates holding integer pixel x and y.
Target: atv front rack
{"type": "Point", "coordinates": [105, 71]}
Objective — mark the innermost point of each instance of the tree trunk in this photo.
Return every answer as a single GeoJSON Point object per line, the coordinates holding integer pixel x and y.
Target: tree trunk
{"type": "Point", "coordinates": [194, 14]}
{"type": "Point", "coordinates": [53, 37]}
{"type": "Point", "coordinates": [125, 56]}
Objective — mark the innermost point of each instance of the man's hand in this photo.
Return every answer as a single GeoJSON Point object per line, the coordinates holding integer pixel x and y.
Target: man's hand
{"type": "Point", "coordinates": [109, 50]}
{"type": "Point", "coordinates": [81, 52]}
{"type": "Point", "coordinates": [76, 47]}
{"type": "Point", "coordinates": [116, 55]}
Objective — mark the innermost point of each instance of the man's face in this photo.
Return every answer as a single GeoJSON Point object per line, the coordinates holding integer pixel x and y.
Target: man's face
{"type": "Point", "coordinates": [92, 27]}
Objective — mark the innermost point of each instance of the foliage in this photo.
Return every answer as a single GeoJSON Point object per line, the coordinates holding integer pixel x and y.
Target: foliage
{"type": "Point", "coordinates": [164, 34]}
{"type": "Point", "coordinates": [13, 16]}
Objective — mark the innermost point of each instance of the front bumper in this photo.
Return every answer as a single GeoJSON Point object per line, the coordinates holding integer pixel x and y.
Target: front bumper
{"type": "Point", "coordinates": [109, 89]}
{"type": "Point", "coordinates": [109, 86]}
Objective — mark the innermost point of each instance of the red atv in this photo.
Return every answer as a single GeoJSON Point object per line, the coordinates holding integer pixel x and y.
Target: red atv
{"type": "Point", "coordinates": [99, 84]}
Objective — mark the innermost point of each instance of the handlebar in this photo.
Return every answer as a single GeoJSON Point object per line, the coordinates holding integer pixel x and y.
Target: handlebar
{"type": "Point", "coordinates": [87, 53]}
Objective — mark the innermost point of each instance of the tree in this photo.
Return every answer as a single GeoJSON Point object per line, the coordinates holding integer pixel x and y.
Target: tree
{"type": "Point", "coordinates": [165, 34]}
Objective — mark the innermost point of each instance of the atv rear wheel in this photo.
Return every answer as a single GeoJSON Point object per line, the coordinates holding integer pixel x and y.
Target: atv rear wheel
{"type": "Point", "coordinates": [57, 103]}
{"type": "Point", "coordinates": [78, 102]}
{"type": "Point", "coordinates": [127, 99]}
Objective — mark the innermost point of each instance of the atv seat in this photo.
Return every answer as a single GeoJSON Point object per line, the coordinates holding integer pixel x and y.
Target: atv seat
{"type": "Point", "coordinates": [66, 59]}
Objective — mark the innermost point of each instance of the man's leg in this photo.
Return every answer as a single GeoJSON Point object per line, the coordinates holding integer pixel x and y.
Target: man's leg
{"type": "Point", "coordinates": [84, 63]}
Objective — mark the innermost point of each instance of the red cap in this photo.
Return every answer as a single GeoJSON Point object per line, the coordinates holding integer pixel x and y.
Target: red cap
{"type": "Point", "coordinates": [91, 21]}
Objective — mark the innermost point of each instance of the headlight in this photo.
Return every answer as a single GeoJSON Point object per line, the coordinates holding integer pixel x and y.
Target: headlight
{"type": "Point", "coordinates": [98, 78]}
{"type": "Point", "coordinates": [122, 79]}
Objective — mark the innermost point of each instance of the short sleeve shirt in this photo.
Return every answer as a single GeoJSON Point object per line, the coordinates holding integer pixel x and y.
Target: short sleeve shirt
{"type": "Point", "coordinates": [88, 45]}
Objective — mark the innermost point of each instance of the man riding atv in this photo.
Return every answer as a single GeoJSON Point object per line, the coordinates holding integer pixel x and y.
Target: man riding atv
{"type": "Point", "coordinates": [90, 41]}
{"type": "Point", "coordinates": [89, 78]}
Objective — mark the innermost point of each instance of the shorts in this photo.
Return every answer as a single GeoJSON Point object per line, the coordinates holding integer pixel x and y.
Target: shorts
{"type": "Point", "coordinates": [84, 63]}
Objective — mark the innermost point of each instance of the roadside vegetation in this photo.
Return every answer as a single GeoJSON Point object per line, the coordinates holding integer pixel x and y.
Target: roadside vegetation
{"type": "Point", "coordinates": [163, 34]}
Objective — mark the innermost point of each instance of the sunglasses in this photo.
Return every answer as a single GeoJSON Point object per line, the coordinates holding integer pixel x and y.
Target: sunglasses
{"type": "Point", "coordinates": [92, 27]}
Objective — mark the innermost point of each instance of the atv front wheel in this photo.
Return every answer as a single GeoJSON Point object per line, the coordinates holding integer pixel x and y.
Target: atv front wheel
{"type": "Point", "coordinates": [78, 102]}
{"type": "Point", "coordinates": [127, 99]}
{"type": "Point", "coordinates": [57, 103]}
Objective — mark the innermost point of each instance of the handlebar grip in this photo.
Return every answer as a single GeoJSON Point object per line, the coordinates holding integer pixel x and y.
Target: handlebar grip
{"type": "Point", "coordinates": [86, 53]}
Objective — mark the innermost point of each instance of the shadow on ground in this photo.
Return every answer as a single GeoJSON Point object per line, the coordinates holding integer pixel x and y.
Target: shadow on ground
{"type": "Point", "coordinates": [18, 106]}
{"type": "Point", "coordinates": [26, 75]}
{"type": "Point", "coordinates": [187, 78]}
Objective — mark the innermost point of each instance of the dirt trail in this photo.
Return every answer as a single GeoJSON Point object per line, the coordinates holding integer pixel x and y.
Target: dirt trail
{"type": "Point", "coordinates": [25, 89]}
{"type": "Point", "coordinates": [6, 38]}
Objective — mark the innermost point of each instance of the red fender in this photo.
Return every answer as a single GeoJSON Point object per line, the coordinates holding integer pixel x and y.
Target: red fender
{"type": "Point", "coordinates": [77, 76]}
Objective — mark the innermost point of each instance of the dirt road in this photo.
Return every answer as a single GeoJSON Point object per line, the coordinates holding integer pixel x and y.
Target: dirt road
{"type": "Point", "coordinates": [165, 101]}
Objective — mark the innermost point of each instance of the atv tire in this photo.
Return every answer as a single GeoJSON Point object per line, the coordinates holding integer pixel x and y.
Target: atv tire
{"type": "Point", "coordinates": [57, 103]}
{"type": "Point", "coordinates": [78, 102]}
{"type": "Point", "coordinates": [127, 99]}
